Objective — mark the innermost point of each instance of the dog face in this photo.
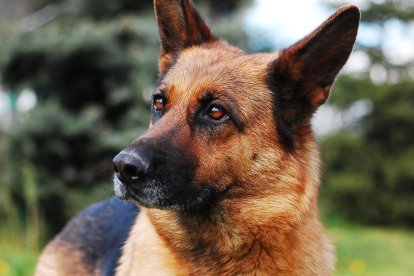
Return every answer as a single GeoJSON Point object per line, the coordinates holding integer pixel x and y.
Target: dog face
{"type": "Point", "coordinates": [231, 127]}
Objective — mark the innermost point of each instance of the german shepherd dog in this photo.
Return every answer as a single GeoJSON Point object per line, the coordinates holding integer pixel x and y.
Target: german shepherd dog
{"type": "Point", "coordinates": [227, 174]}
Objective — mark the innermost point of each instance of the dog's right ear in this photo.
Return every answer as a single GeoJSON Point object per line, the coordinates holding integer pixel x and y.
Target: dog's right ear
{"type": "Point", "coordinates": [180, 27]}
{"type": "Point", "coordinates": [303, 74]}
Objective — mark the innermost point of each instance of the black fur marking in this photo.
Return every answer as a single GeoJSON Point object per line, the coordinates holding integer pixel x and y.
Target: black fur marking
{"type": "Point", "coordinates": [284, 130]}
{"type": "Point", "coordinates": [255, 156]}
{"type": "Point", "coordinates": [100, 231]}
{"type": "Point", "coordinates": [234, 111]}
{"type": "Point", "coordinates": [169, 181]}
{"type": "Point", "coordinates": [200, 117]}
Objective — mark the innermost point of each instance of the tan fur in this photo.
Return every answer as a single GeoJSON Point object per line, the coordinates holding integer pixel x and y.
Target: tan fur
{"type": "Point", "coordinates": [265, 219]}
{"type": "Point", "coordinates": [153, 255]}
{"type": "Point", "coordinates": [270, 251]}
{"type": "Point", "coordinates": [269, 222]}
{"type": "Point", "coordinates": [60, 258]}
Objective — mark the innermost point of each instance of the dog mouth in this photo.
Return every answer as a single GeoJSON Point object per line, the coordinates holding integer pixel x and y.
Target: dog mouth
{"type": "Point", "coordinates": [152, 193]}
{"type": "Point", "coordinates": [158, 174]}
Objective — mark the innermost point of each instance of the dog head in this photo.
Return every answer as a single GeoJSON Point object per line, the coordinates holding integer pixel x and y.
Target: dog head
{"type": "Point", "coordinates": [229, 126]}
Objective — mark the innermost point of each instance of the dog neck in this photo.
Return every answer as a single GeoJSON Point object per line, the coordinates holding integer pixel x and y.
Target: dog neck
{"type": "Point", "coordinates": [183, 244]}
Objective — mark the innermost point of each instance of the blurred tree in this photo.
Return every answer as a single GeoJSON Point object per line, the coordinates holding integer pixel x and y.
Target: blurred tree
{"type": "Point", "coordinates": [88, 80]}
{"type": "Point", "coordinates": [108, 9]}
{"type": "Point", "coordinates": [369, 175]}
{"type": "Point", "coordinates": [92, 65]}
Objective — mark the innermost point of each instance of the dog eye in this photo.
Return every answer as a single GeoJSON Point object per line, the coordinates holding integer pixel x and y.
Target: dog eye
{"type": "Point", "coordinates": [216, 113]}
{"type": "Point", "coordinates": [158, 103]}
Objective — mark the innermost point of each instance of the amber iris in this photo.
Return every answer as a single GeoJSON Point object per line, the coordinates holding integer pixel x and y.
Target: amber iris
{"type": "Point", "coordinates": [159, 104]}
{"type": "Point", "coordinates": [216, 113]}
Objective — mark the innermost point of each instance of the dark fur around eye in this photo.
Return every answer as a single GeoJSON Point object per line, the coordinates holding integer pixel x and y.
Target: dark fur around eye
{"type": "Point", "coordinates": [205, 119]}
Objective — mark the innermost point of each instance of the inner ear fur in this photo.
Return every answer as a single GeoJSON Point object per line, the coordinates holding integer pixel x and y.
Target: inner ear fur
{"type": "Point", "coordinates": [303, 74]}
{"type": "Point", "coordinates": [180, 26]}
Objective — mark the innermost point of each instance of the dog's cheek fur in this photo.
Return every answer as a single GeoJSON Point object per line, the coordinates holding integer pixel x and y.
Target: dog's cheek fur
{"type": "Point", "coordinates": [264, 180]}
{"type": "Point", "coordinates": [261, 176]}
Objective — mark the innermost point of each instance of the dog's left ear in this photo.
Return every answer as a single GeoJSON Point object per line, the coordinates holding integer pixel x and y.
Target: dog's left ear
{"type": "Point", "coordinates": [303, 74]}
{"type": "Point", "coordinates": [180, 27]}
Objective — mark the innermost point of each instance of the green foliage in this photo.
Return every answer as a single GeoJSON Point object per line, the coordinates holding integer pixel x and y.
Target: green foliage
{"type": "Point", "coordinates": [89, 82]}
{"type": "Point", "coordinates": [368, 174]}
{"type": "Point", "coordinates": [92, 69]}
{"type": "Point", "coordinates": [394, 9]}
{"type": "Point", "coordinates": [100, 10]}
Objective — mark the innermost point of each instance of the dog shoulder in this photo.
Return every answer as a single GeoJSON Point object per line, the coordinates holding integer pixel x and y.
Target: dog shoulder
{"type": "Point", "coordinates": [91, 242]}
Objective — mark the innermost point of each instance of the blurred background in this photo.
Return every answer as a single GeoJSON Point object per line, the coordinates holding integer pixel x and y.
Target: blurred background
{"type": "Point", "coordinates": [75, 78]}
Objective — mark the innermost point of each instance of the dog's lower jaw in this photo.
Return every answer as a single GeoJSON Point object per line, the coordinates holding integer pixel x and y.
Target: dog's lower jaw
{"type": "Point", "coordinates": [158, 242]}
{"type": "Point", "coordinates": [154, 194]}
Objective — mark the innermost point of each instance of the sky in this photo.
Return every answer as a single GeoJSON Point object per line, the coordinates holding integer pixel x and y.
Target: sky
{"type": "Point", "coordinates": [285, 22]}
{"type": "Point", "coordinates": [282, 23]}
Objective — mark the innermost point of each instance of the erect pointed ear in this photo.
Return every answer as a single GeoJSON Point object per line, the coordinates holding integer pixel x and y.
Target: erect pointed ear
{"type": "Point", "coordinates": [303, 74]}
{"type": "Point", "coordinates": [180, 27]}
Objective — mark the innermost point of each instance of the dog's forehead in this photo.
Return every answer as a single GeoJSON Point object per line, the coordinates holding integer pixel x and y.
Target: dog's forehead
{"type": "Point", "coordinates": [222, 69]}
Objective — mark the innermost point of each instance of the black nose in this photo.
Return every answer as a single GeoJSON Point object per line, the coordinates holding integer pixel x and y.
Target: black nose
{"type": "Point", "coordinates": [131, 165]}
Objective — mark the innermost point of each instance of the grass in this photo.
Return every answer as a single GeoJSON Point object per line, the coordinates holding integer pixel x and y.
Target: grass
{"type": "Point", "coordinates": [373, 251]}
{"type": "Point", "coordinates": [360, 251]}
{"type": "Point", "coordinates": [18, 254]}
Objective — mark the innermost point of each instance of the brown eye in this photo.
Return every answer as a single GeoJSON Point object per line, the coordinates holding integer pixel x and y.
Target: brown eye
{"type": "Point", "coordinates": [216, 113]}
{"type": "Point", "coordinates": [159, 104]}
